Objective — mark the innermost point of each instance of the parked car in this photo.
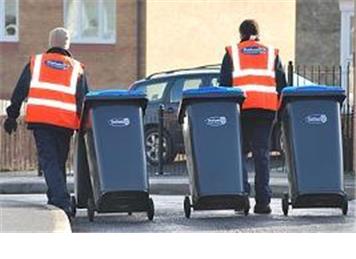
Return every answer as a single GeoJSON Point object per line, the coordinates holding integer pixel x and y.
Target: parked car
{"type": "Point", "coordinates": [166, 88]}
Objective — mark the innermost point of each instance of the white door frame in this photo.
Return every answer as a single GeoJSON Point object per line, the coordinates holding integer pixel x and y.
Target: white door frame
{"type": "Point", "coordinates": [347, 11]}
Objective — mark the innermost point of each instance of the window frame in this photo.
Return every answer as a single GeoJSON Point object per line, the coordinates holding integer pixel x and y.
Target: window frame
{"type": "Point", "coordinates": [212, 77]}
{"type": "Point", "coordinates": [91, 40]}
{"type": "Point", "coordinates": [183, 79]}
{"type": "Point", "coordinates": [3, 37]}
{"type": "Point", "coordinates": [351, 33]}
{"type": "Point", "coordinates": [140, 85]}
{"type": "Point", "coordinates": [346, 55]}
{"type": "Point", "coordinates": [347, 11]}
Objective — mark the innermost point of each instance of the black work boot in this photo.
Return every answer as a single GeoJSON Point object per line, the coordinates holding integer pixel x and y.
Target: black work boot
{"type": "Point", "coordinates": [262, 209]}
{"type": "Point", "coordinates": [69, 214]}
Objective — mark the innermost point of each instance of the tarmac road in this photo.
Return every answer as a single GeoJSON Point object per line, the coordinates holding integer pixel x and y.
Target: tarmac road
{"type": "Point", "coordinates": [169, 217]}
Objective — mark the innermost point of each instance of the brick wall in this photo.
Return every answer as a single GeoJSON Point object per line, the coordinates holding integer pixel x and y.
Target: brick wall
{"type": "Point", "coordinates": [112, 65]}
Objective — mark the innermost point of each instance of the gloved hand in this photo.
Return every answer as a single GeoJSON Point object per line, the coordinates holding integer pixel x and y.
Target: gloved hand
{"type": "Point", "coordinates": [10, 125]}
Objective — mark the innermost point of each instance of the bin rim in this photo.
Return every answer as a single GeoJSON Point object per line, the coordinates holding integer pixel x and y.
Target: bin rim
{"type": "Point", "coordinates": [213, 92]}
{"type": "Point", "coordinates": [114, 94]}
{"type": "Point", "coordinates": [292, 93]}
{"type": "Point", "coordinates": [208, 94]}
{"type": "Point", "coordinates": [312, 90]}
{"type": "Point", "coordinates": [297, 93]}
{"type": "Point", "coordinates": [110, 96]}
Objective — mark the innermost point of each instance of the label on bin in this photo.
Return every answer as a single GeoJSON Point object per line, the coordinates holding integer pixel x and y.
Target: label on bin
{"type": "Point", "coordinates": [119, 122]}
{"type": "Point", "coordinates": [316, 119]}
{"type": "Point", "coordinates": [216, 121]}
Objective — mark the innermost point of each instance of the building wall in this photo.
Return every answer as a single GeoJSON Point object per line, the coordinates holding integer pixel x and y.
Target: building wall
{"type": "Point", "coordinates": [354, 64]}
{"type": "Point", "coordinates": [318, 32]}
{"type": "Point", "coordinates": [142, 37]}
{"type": "Point", "coordinates": [107, 65]}
{"type": "Point", "coordinates": [192, 33]}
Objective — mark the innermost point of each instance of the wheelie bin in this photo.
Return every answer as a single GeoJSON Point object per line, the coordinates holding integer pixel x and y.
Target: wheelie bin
{"type": "Point", "coordinates": [82, 186]}
{"type": "Point", "coordinates": [211, 130]}
{"type": "Point", "coordinates": [110, 153]}
{"type": "Point", "coordinates": [311, 127]}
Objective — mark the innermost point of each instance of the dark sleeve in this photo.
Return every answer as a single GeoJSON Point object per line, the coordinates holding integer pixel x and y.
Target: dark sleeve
{"type": "Point", "coordinates": [280, 75]}
{"type": "Point", "coordinates": [226, 71]}
{"type": "Point", "coordinates": [82, 90]}
{"type": "Point", "coordinates": [20, 93]}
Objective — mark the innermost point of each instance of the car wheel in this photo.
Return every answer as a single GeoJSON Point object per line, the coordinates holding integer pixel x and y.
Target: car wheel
{"type": "Point", "coordinates": [152, 145]}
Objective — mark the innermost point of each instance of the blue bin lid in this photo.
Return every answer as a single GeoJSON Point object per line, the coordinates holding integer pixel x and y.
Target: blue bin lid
{"type": "Point", "coordinates": [301, 92]}
{"type": "Point", "coordinates": [213, 92]}
{"type": "Point", "coordinates": [206, 93]}
{"type": "Point", "coordinates": [312, 91]}
{"type": "Point", "coordinates": [114, 94]}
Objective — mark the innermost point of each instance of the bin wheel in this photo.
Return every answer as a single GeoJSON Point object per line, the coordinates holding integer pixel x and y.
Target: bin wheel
{"type": "Point", "coordinates": [151, 209]}
{"type": "Point", "coordinates": [187, 207]}
{"type": "Point", "coordinates": [91, 209]}
{"type": "Point", "coordinates": [285, 204]}
{"type": "Point", "coordinates": [345, 206]}
{"type": "Point", "coordinates": [73, 206]}
{"type": "Point", "coordinates": [129, 213]}
{"type": "Point", "coordinates": [246, 206]}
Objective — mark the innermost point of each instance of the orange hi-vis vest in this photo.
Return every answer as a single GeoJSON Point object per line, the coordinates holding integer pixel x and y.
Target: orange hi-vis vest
{"type": "Point", "coordinates": [52, 94]}
{"type": "Point", "coordinates": [254, 73]}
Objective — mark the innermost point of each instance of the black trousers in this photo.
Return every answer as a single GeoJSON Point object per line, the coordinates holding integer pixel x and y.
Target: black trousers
{"type": "Point", "coordinates": [256, 135]}
{"type": "Point", "coordinates": [52, 150]}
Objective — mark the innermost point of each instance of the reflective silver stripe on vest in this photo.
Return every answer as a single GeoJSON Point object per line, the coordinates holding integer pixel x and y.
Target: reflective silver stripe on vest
{"type": "Point", "coordinates": [52, 104]}
{"type": "Point", "coordinates": [258, 88]}
{"type": "Point", "coordinates": [238, 72]}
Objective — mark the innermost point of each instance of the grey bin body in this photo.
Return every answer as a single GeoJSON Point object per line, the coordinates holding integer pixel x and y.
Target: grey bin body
{"type": "Point", "coordinates": [312, 141]}
{"type": "Point", "coordinates": [211, 130]}
{"type": "Point", "coordinates": [111, 152]}
{"type": "Point", "coordinates": [82, 186]}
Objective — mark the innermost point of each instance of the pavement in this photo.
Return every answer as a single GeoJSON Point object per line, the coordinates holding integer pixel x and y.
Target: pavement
{"type": "Point", "coordinates": [21, 183]}
{"type": "Point", "coordinates": [30, 214]}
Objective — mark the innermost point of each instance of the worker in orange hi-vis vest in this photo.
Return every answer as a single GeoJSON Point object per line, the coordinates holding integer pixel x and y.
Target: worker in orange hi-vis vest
{"type": "Point", "coordinates": [256, 69]}
{"type": "Point", "coordinates": [54, 85]}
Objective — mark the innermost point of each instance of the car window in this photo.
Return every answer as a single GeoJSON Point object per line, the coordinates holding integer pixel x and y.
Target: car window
{"type": "Point", "coordinates": [214, 81]}
{"type": "Point", "coordinates": [153, 91]}
{"type": "Point", "coordinates": [183, 84]}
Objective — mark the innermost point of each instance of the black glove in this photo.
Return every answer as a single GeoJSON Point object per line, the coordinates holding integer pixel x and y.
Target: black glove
{"type": "Point", "coordinates": [10, 125]}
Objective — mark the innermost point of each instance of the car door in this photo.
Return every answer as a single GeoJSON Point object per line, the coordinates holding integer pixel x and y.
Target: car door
{"type": "Point", "coordinates": [155, 92]}
{"type": "Point", "coordinates": [172, 105]}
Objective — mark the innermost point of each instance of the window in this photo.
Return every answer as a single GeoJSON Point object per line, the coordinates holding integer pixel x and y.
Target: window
{"type": "Point", "coordinates": [9, 20]}
{"type": "Point", "coordinates": [153, 91]}
{"type": "Point", "coordinates": [91, 21]}
{"type": "Point", "coordinates": [183, 84]}
{"type": "Point", "coordinates": [214, 81]}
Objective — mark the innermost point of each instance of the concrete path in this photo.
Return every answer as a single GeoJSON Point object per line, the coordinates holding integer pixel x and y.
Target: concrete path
{"type": "Point", "coordinates": [30, 214]}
